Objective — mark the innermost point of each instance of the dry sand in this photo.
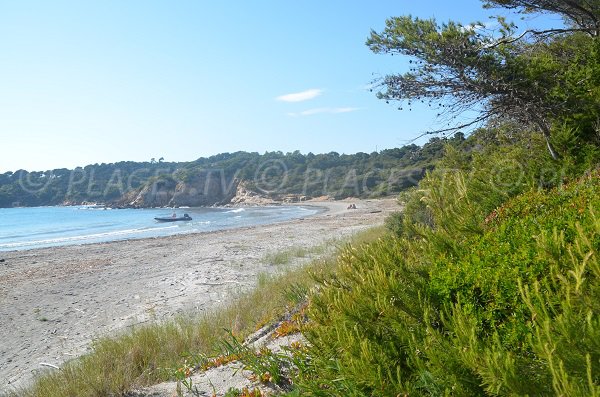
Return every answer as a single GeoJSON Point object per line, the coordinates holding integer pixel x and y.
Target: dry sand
{"type": "Point", "coordinates": [55, 301]}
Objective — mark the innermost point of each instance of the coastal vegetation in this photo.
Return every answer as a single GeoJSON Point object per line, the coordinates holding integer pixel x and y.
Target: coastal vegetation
{"type": "Point", "coordinates": [472, 295]}
{"type": "Point", "coordinates": [488, 282]}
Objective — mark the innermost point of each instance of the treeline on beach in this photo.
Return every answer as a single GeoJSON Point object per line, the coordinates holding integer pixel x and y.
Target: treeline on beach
{"type": "Point", "coordinates": [373, 174]}
{"type": "Point", "coordinates": [488, 283]}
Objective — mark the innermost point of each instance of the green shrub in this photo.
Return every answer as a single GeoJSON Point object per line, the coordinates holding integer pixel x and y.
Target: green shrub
{"type": "Point", "coordinates": [395, 223]}
{"type": "Point", "coordinates": [362, 321]}
{"type": "Point", "coordinates": [523, 309]}
{"type": "Point", "coordinates": [498, 303]}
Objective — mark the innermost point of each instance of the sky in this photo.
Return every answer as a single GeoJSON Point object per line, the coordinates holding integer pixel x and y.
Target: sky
{"type": "Point", "coordinates": [84, 82]}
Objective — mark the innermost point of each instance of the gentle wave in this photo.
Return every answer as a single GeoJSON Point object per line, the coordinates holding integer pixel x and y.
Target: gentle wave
{"type": "Point", "coordinates": [62, 240]}
{"type": "Point", "coordinates": [235, 211]}
{"type": "Point", "coordinates": [43, 232]}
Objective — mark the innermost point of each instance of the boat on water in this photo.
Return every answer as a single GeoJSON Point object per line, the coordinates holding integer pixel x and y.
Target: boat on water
{"type": "Point", "coordinates": [185, 217]}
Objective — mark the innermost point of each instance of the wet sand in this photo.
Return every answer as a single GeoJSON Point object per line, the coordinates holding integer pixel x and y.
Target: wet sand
{"type": "Point", "coordinates": [55, 301]}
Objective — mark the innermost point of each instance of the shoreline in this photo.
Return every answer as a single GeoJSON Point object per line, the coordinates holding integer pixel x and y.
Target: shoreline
{"type": "Point", "coordinates": [315, 206]}
{"type": "Point", "coordinates": [55, 301]}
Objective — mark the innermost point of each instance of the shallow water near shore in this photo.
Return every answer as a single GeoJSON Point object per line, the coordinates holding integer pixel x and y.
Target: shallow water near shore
{"type": "Point", "coordinates": [39, 227]}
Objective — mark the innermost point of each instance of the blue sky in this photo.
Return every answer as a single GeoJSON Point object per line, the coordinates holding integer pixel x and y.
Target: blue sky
{"type": "Point", "coordinates": [85, 82]}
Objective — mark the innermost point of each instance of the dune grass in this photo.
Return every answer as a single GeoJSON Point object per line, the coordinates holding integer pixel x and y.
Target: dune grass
{"type": "Point", "coordinates": [284, 257]}
{"type": "Point", "coordinates": [149, 354]}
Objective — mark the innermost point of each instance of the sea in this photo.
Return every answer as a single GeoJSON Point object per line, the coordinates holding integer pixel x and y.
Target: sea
{"type": "Point", "coordinates": [38, 227]}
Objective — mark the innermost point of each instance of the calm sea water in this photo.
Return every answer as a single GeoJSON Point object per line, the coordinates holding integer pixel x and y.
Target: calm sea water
{"type": "Point", "coordinates": [27, 228]}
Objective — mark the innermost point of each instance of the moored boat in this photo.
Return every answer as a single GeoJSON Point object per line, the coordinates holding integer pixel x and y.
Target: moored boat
{"type": "Point", "coordinates": [185, 217]}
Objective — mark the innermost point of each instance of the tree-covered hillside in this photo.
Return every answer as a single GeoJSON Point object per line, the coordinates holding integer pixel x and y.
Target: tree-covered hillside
{"type": "Point", "coordinates": [92, 183]}
{"type": "Point", "coordinates": [273, 174]}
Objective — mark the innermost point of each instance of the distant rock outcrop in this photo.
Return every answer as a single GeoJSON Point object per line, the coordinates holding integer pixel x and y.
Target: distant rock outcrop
{"type": "Point", "coordinates": [246, 196]}
{"type": "Point", "coordinates": [204, 189]}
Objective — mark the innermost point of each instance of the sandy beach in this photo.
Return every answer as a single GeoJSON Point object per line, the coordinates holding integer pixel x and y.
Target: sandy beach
{"type": "Point", "coordinates": [55, 301]}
